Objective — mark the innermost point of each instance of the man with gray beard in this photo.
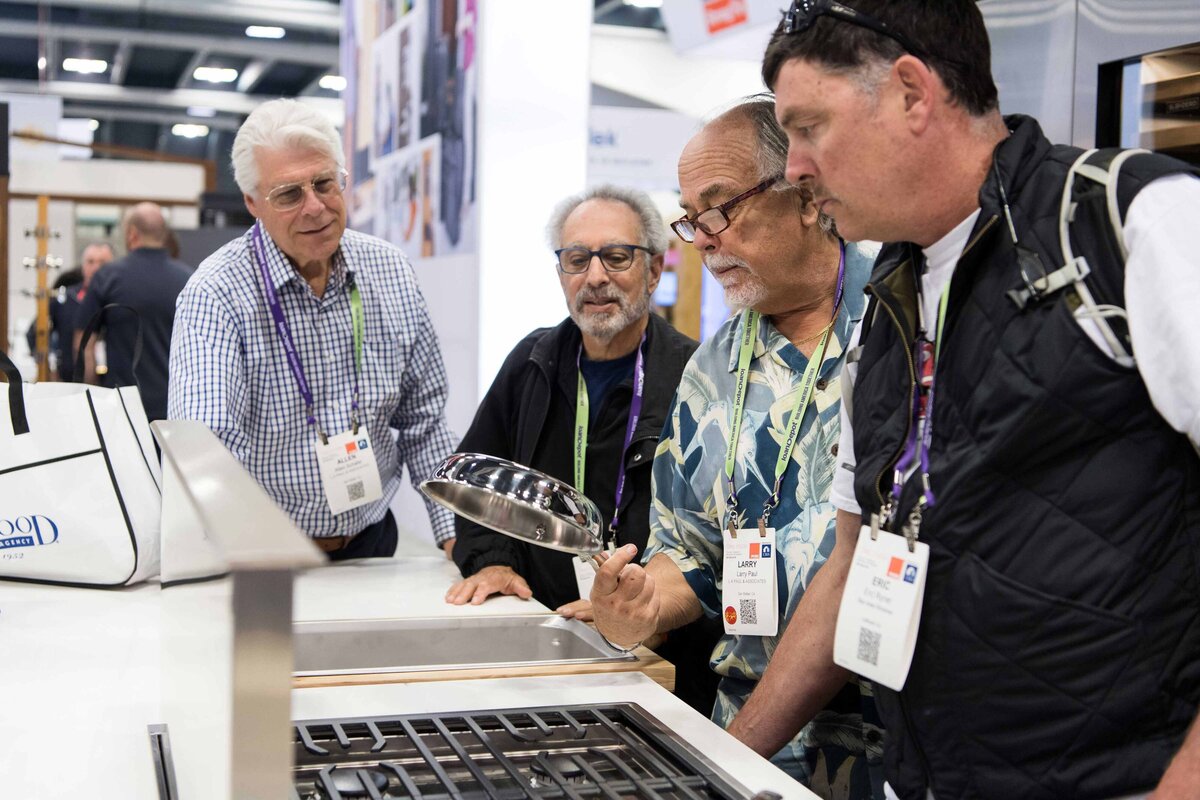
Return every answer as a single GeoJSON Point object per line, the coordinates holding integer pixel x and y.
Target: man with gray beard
{"type": "Point", "coordinates": [605, 375]}
{"type": "Point", "coordinates": [741, 518]}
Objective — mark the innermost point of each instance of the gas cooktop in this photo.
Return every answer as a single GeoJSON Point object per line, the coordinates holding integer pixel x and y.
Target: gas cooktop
{"type": "Point", "coordinates": [612, 751]}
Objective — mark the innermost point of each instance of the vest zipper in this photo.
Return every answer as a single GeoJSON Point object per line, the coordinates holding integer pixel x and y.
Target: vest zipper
{"type": "Point", "coordinates": [912, 372]}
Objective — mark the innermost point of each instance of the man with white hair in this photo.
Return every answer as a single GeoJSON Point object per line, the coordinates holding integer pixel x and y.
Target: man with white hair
{"type": "Point", "coordinates": [741, 518]}
{"type": "Point", "coordinates": [603, 376]}
{"type": "Point", "coordinates": [303, 345]}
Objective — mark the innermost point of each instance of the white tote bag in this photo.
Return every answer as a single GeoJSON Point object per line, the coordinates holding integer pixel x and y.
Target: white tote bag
{"type": "Point", "coordinates": [80, 486]}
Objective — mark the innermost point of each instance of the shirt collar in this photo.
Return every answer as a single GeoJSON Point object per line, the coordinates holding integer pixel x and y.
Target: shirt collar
{"type": "Point", "coordinates": [782, 351]}
{"type": "Point", "coordinates": [280, 268]}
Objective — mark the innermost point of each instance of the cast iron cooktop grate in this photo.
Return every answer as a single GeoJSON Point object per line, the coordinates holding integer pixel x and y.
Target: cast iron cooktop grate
{"type": "Point", "coordinates": [588, 751]}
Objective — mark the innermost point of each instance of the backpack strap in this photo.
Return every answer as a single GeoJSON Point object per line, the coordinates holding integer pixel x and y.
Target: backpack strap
{"type": "Point", "coordinates": [1099, 168]}
{"type": "Point", "coordinates": [1095, 168]}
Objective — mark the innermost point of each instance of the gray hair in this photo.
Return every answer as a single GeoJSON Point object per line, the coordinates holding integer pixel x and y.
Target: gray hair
{"type": "Point", "coordinates": [281, 124]}
{"type": "Point", "coordinates": [653, 232]}
{"type": "Point", "coordinates": [772, 149]}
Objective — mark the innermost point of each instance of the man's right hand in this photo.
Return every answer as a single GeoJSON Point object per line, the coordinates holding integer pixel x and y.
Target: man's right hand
{"type": "Point", "coordinates": [624, 601]}
{"type": "Point", "coordinates": [496, 579]}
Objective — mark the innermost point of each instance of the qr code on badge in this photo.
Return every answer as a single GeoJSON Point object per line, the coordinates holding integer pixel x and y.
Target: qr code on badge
{"type": "Point", "coordinates": [356, 491]}
{"type": "Point", "coordinates": [748, 610]}
{"type": "Point", "coordinates": [868, 646]}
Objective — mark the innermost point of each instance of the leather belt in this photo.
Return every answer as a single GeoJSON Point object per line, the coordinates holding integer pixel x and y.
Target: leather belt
{"type": "Point", "coordinates": [331, 544]}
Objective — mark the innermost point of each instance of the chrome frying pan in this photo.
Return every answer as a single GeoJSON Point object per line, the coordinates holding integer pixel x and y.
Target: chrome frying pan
{"type": "Point", "coordinates": [517, 501]}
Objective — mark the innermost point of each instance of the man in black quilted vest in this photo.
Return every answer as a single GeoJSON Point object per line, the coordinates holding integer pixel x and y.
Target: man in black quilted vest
{"type": "Point", "coordinates": [1018, 550]}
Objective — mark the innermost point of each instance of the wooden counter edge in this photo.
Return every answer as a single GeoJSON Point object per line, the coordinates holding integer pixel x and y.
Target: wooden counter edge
{"type": "Point", "coordinates": [648, 662]}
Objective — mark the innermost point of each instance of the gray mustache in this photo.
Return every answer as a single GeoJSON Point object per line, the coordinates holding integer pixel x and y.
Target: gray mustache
{"type": "Point", "coordinates": [717, 261]}
{"type": "Point", "coordinates": [585, 296]}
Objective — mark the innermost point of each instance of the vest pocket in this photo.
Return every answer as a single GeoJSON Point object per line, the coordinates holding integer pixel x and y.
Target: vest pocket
{"type": "Point", "coordinates": [1044, 684]}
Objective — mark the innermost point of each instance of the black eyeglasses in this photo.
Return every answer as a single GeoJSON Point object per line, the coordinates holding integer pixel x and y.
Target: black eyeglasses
{"type": "Point", "coordinates": [803, 13]}
{"type": "Point", "coordinates": [614, 257]}
{"type": "Point", "coordinates": [716, 219]}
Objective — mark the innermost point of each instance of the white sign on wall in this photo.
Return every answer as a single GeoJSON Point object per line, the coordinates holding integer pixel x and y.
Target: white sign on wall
{"type": "Point", "coordinates": [637, 147]}
{"type": "Point", "coordinates": [721, 28]}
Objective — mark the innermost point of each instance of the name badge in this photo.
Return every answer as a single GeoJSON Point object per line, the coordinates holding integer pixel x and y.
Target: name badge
{"type": "Point", "coordinates": [881, 608]}
{"type": "Point", "coordinates": [349, 472]}
{"type": "Point", "coordinates": [749, 600]}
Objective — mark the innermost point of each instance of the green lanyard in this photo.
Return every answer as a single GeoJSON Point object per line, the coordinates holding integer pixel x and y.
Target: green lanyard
{"type": "Point", "coordinates": [803, 398]}
{"type": "Point", "coordinates": [581, 429]}
{"type": "Point", "coordinates": [943, 301]}
{"type": "Point", "coordinates": [582, 412]}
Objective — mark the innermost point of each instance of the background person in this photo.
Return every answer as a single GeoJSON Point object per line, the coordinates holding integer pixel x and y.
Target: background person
{"type": "Point", "coordinates": [147, 280]}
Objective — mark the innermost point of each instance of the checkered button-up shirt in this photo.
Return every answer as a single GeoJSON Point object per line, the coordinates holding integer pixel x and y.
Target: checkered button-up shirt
{"type": "Point", "coordinates": [228, 370]}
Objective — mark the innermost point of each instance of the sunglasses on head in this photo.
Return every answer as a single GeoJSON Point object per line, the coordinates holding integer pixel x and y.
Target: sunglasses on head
{"type": "Point", "coordinates": [803, 13]}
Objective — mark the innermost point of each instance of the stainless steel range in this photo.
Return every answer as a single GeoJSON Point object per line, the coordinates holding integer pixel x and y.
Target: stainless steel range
{"type": "Point", "coordinates": [614, 750]}
{"type": "Point", "coordinates": [228, 698]}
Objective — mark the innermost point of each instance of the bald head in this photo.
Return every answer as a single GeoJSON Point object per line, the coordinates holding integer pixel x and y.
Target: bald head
{"type": "Point", "coordinates": [749, 135]}
{"type": "Point", "coordinates": [753, 120]}
{"type": "Point", "coordinates": [145, 226]}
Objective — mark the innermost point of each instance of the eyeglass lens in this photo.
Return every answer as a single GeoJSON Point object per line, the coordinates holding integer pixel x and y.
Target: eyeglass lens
{"type": "Point", "coordinates": [292, 194]}
{"type": "Point", "coordinates": [712, 221]}
{"type": "Point", "coordinates": [615, 258]}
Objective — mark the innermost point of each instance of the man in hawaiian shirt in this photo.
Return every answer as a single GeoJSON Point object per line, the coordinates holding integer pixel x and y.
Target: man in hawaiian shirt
{"type": "Point", "coordinates": [769, 376]}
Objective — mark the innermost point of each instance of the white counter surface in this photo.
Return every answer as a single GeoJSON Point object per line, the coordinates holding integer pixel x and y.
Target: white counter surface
{"type": "Point", "coordinates": [396, 588]}
{"type": "Point", "coordinates": [81, 672]}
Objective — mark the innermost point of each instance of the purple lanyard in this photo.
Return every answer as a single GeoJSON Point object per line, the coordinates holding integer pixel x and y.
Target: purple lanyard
{"type": "Point", "coordinates": [285, 334]}
{"type": "Point", "coordinates": [927, 499]}
{"type": "Point", "coordinates": [635, 413]}
{"type": "Point", "coordinates": [911, 449]}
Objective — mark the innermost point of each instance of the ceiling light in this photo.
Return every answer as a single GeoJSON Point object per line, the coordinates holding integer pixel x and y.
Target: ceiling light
{"type": "Point", "coordinates": [93, 124]}
{"type": "Point", "coordinates": [201, 111]}
{"type": "Point", "coordinates": [189, 131]}
{"type": "Point", "coordinates": [41, 63]}
{"type": "Point", "coordinates": [86, 66]}
{"type": "Point", "coordinates": [265, 32]}
{"type": "Point", "coordinates": [644, 3]}
{"type": "Point", "coordinates": [334, 83]}
{"type": "Point", "coordinates": [215, 74]}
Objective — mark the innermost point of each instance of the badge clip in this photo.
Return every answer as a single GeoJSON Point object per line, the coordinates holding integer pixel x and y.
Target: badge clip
{"type": "Point", "coordinates": [913, 526]}
{"type": "Point", "coordinates": [762, 527]}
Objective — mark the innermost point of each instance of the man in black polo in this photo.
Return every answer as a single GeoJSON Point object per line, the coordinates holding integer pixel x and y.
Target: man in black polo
{"type": "Point", "coordinates": [146, 280]}
{"type": "Point", "coordinates": [609, 244]}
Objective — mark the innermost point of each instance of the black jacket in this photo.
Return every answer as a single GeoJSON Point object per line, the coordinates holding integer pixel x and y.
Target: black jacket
{"type": "Point", "coordinates": [528, 416]}
{"type": "Point", "coordinates": [1058, 655]}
